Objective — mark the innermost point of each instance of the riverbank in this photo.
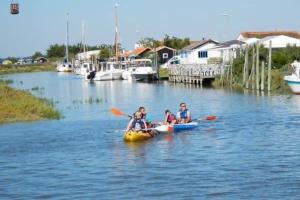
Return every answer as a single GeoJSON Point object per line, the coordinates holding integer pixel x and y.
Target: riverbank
{"type": "Point", "coordinates": [21, 106]}
{"type": "Point", "coordinates": [11, 69]}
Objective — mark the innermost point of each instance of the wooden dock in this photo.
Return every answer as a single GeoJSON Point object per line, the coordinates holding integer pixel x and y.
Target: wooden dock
{"type": "Point", "coordinates": [194, 73]}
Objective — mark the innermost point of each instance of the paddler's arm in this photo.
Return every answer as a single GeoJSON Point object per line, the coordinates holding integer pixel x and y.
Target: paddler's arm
{"type": "Point", "coordinates": [188, 114]}
{"type": "Point", "coordinates": [129, 125]}
{"type": "Point", "coordinates": [145, 125]}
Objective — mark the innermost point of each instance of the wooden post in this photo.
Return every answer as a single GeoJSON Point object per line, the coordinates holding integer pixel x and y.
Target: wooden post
{"type": "Point", "coordinates": [257, 66]}
{"type": "Point", "coordinates": [231, 68]}
{"type": "Point", "coordinates": [262, 86]}
{"type": "Point", "coordinates": [253, 69]}
{"type": "Point", "coordinates": [269, 66]}
{"type": "Point", "coordinates": [246, 71]}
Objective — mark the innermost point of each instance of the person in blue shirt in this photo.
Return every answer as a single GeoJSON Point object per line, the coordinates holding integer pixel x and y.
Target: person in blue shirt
{"type": "Point", "coordinates": [183, 116]}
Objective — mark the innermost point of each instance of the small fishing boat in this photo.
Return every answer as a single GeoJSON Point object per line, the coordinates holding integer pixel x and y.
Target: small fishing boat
{"type": "Point", "coordinates": [107, 71]}
{"type": "Point", "coordinates": [143, 70]}
{"type": "Point", "coordinates": [293, 80]}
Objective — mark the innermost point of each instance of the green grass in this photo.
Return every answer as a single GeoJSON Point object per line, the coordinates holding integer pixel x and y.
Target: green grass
{"type": "Point", "coordinates": [19, 106]}
{"type": "Point", "coordinates": [10, 69]}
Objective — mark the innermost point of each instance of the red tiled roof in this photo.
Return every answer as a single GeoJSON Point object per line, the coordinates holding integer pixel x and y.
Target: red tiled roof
{"type": "Point", "coordinates": [263, 34]}
{"type": "Point", "coordinates": [139, 51]}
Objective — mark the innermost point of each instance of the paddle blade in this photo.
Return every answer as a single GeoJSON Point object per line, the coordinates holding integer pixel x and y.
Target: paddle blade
{"type": "Point", "coordinates": [211, 118]}
{"type": "Point", "coordinates": [116, 112]}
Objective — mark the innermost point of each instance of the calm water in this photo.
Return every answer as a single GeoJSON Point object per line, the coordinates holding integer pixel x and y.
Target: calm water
{"type": "Point", "coordinates": [251, 152]}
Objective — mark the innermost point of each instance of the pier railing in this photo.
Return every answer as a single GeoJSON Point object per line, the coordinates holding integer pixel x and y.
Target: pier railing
{"type": "Point", "coordinates": [194, 73]}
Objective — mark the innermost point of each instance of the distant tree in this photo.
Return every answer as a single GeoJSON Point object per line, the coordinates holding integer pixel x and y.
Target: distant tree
{"type": "Point", "coordinates": [149, 42]}
{"type": "Point", "coordinates": [56, 51]}
{"type": "Point", "coordinates": [36, 55]}
{"type": "Point", "coordinates": [175, 43]}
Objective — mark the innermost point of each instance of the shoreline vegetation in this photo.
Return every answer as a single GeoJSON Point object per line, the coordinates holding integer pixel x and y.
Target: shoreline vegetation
{"type": "Point", "coordinates": [22, 106]}
{"type": "Point", "coordinates": [11, 69]}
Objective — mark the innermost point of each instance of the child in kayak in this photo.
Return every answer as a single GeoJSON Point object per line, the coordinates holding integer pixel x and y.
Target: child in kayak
{"type": "Point", "coordinates": [184, 115]}
{"type": "Point", "coordinates": [137, 123]}
{"type": "Point", "coordinates": [170, 118]}
{"type": "Point", "coordinates": [146, 117]}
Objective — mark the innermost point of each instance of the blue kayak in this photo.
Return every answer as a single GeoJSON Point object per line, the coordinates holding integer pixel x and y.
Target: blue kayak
{"type": "Point", "coordinates": [187, 126]}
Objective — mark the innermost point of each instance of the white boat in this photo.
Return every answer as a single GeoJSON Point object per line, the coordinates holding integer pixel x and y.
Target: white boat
{"type": "Point", "coordinates": [85, 69]}
{"type": "Point", "coordinates": [65, 66]}
{"type": "Point", "coordinates": [143, 70]}
{"type": "Point", "coordinates": [293, 80]}
{"type": "Point", "coordinates": [127, 73]}
{"type": "Point", "coordinates": [107, 71]}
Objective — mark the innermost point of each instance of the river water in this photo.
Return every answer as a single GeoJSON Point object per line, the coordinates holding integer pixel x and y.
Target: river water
{"type": "Point", "coordinates": [251, 152]}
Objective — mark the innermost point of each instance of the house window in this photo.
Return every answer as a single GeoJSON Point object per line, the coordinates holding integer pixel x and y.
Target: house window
{"type": "Point", "coordinates": [202, 54]}
{"type": "Point", "coordinates": [165, 55]}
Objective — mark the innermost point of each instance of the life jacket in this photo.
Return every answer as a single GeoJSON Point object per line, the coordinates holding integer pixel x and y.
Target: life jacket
{"type": "Point", "coordinates": [170, 118]}
{"type": "Point", "coordinates": [138, 124]}
{"type": "Point", "coordinates": [183, 114]}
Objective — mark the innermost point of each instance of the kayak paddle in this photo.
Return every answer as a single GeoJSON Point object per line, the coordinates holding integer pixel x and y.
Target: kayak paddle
{"type": "Point", "coordinates": [118, 113]}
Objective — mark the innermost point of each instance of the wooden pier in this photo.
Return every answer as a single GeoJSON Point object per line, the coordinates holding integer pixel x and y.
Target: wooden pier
{"type": "Point", "coordinates": [194, 73]}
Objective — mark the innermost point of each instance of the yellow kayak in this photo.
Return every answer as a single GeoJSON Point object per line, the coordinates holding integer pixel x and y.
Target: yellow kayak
{"type": "Point", "coordinates": [137, 136]}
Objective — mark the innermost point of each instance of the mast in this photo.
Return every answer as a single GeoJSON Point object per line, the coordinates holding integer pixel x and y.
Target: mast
{"type": "Point", "coordinates": [116, 32]}
{"type": "Point", "coordinates": [83, 39]}
{"type": "Point", "coordinates": [67, 39]}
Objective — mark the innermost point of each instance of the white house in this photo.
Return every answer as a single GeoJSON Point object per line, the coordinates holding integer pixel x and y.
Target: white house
{"type": "Point", "coordinates": [229, 50]}
{"type": "Point", "coordinates": [280, 41]}
{"type": "Point", "coordinates": [197, 52]}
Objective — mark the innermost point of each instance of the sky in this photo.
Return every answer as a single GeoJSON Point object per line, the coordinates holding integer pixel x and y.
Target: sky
{"type": "Point", "coordinates": [43, 22]}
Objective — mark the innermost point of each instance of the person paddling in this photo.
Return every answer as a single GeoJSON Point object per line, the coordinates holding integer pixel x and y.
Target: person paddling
{"type": "Point", "coordinates": [170, 118]}
{"type": "Point", "coordinates": [184, 115]}
{"type": "Point", "coordinates": [137, 123]}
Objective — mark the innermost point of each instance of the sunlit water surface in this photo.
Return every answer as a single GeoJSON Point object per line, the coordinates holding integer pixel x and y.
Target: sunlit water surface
{"type": "Point", "coordinates": [251, 151]}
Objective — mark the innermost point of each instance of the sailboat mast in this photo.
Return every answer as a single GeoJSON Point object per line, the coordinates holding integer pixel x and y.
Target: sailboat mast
{"type": "Point", "coordinates": [67, 39]}
{"type": "Point", "coordinates": [116, 32]}
{"type": "Point", "coordinates": [83, 36]}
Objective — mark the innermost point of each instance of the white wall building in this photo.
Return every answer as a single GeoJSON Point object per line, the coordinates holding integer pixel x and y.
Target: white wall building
{"type": "Point", "coordinates": [229, 50]}
{"type": "Point", "coordinates": [197, 52]}
{"type": "Point", "coordinates": [280, 41]}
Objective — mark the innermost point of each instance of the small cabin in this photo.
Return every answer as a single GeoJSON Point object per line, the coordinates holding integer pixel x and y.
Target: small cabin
{"type": "Point", "coordinates": [14, 8]}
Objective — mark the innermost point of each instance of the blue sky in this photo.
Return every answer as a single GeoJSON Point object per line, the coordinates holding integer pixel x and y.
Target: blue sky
{"type": "Point", "coordinates": [41, 23]}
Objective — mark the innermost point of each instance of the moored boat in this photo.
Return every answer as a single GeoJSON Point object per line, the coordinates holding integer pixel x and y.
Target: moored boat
{"type": "Point", "coordinates": [143, 70]}
{"type": "Point", "coordinates": [293, 80]}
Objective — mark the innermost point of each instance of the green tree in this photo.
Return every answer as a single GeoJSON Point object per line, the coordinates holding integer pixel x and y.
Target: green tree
{"type": "Point", "coordinates": [175, 43]}
{"type": "Point", "coordinates": [149, 42]}
{"type": "Point", "coordinates": [36, 55]}
{"type": "Point", "coordinates": [56, 51]}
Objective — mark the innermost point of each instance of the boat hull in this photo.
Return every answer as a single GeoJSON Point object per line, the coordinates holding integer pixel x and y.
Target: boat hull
{"type": "Point", "coordinates": [136, 136]}
{"type": "Point", "coordinates": [294, 84]}
{"type": "Point", "coordinates": [107, 76]}
{"type": "Point", "coordinates": [182, 127]}
{"type": "Point", "coordinates": [64, 68]}
{"type": "Point", "coordinates": [144, 77]}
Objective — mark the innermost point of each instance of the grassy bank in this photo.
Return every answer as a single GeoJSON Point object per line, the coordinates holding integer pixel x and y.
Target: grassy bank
{"type": "Point", "coordinates": [10, 69]}
{"type": "Point", "coordinates": [19, 106]}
